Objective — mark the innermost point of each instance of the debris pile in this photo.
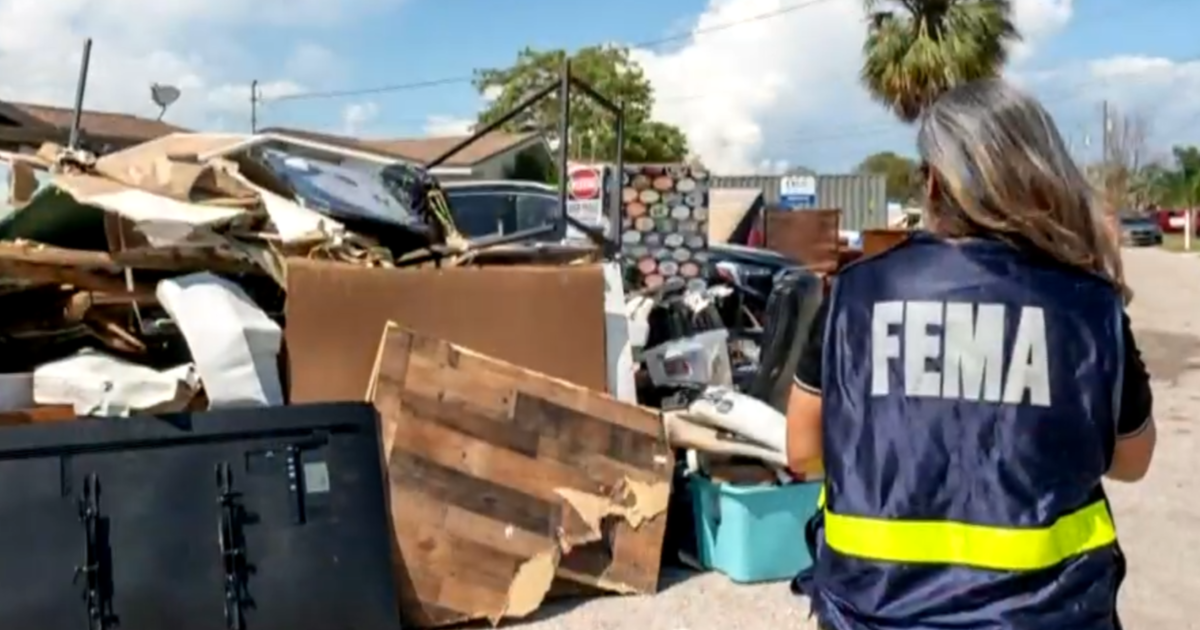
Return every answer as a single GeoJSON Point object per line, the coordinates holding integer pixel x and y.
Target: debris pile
{"type": "Point", "coordinates": [162, 267]}
{"type": "Point", "coordinates": [220, 271]}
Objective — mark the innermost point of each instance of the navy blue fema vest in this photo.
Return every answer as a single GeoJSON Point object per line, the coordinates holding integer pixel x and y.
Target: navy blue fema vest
{"type": "Point", "coordinates": [970, 396]}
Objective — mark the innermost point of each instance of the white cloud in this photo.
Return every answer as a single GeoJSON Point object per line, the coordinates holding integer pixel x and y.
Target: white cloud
{"type": "Point", "coordinates": [491, 94]}
{"type": "Point", "coordinates": [357, 115]}
{"type": "Point", "coordinates": [1037, 21]}
{"type": "Point", "coordinates": [448, 126]}
{"type": "Point", "coordinates": [795, 75]}
{"type": "Point", "coordinates": [199, 46]}
{"type": "Point", "coordinates": [1162, 92]}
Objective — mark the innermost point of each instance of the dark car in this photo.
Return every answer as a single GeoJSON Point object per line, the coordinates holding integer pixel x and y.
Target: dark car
{"type": "Point", "coordinates": [489, 208]}
{"type": "Point", "coordinates": [1140, 231]}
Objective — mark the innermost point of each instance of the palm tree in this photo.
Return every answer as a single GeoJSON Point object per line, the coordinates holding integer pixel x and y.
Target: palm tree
{"type": "Point", "coordinates": [918, 49]}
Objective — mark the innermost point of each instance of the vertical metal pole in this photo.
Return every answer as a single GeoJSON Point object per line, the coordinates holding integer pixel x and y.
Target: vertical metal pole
{"type": "Point", "coordinates": [564, 126]}
{"type": "Point", "coordinates": [614, 212]}
{"type": "Point", "coordinates": [80, 89]}
{"type": "Point", "coordinates": [254, 106]}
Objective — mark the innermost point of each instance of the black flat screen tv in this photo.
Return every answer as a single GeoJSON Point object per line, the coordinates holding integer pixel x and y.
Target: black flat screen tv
{"type": "Point", "coordinates": [251, 519]}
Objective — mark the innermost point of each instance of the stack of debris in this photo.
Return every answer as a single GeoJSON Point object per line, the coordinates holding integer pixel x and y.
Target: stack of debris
{"type": "Point", "coordinates": [136, 279]}
{"type": "Point", "coordinates": [154, 280]}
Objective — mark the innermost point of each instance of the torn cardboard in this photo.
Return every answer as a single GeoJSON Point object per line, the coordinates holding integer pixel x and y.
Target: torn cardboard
{"type": "Point", "coordinates": [502, 479]}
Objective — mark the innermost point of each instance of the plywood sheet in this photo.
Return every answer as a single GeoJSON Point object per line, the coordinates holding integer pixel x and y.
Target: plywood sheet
{"type": "Point", "coordinates": [502, 479]}
{"type": "Point", "coordinates": [807, 236]}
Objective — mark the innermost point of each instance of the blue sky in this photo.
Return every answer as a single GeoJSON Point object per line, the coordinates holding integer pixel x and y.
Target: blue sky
{"type": "Point", "coordinates": [462, 35]}
{"type": "Point", "coordinates": [421, 40]}
{"type": "Point", "coordinates": [759, 96]}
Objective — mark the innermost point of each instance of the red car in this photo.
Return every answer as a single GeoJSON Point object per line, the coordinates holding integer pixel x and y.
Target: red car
{"type": "Point", "coordinates": [1173, 221]}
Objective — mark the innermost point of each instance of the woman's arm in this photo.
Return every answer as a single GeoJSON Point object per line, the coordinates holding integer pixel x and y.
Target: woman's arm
{"type": "Point", "coordinates": [1136, 436]}
{"type": "Point", "coordinates": [804, 403]}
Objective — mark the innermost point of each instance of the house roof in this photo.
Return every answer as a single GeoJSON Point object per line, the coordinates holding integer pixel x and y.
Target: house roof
{"type": "Point", "coordinates": [106, 124]}
{"type": "Point", "coordinates": [424, 150]}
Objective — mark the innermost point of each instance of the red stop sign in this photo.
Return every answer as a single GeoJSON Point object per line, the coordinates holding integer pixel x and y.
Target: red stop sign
{"type": "Point", "coordinates": [585, 184]}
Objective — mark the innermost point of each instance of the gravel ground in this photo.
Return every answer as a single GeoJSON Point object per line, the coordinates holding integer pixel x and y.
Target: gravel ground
{"type": "Point", "coordinates": [1159, 519]}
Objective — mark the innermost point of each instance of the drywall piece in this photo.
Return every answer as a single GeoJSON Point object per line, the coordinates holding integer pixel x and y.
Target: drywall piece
{"type": "Point", "coordinates": [234, 344]}
{"type": "Point", "coordinates": [617, 337]}
{"type": "Point", "coordinates": [502, 479]}
{"type": "Point", "coordinates": [97, 384]}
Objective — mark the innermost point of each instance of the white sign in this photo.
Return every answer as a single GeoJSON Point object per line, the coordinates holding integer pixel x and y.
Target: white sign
{"type": "Point", "coordinates": [798, 191]}
{"type": "Point", "coordinates": [798, 186]}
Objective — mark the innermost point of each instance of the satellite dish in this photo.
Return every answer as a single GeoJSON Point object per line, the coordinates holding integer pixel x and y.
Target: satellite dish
{"type": "Point", "coordinates": [163, 96]}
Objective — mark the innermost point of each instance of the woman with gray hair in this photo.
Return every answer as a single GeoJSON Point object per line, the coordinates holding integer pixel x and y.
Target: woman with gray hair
{"type": "Point", "coordinates": [966, 392]}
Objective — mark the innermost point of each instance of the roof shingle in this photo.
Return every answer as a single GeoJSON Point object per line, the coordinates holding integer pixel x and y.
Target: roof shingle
{"type": "Point", "coordinates": [108, 124]}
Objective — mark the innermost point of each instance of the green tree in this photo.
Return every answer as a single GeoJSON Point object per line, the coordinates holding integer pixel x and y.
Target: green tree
{"type": "Point", "coordinates": [612, 73]}
{"type": "Point", "coordinates": [903, 184]}
{"type": "Point", "coordinates": [1176, 184]}
{"type": "Point", "coordinates": [917, 49]}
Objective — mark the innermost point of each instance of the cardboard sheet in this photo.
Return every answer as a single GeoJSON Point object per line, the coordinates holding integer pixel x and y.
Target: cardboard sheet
{"type": "Point", "coordinates": [547, 319]}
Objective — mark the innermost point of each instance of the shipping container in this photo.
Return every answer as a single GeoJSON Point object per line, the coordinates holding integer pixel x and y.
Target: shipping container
{"type": "Point", "coordinates": [861, 198]}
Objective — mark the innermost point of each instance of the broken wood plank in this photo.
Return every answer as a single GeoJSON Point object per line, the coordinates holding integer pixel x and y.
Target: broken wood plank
{"type": "Point", "coordinates": [16, 256]}
{"type": "Point", "coordinates": [502, 478]}
{"type": "Point", "coordinates": [40, 413]}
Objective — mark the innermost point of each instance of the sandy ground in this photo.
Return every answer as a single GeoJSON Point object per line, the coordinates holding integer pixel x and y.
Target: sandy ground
{"type": "Point", "coordinates": [1158, 519]}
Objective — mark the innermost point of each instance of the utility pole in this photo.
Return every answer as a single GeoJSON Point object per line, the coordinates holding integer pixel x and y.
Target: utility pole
{"type": "Point", "coordinates": [1107, 130]}
{"type": "Point", "coordinates": [254, 106]}
{"type": "Point", "coordinates": [80, 87]}
{"type": "Point", "coordinates": [1106, 162]}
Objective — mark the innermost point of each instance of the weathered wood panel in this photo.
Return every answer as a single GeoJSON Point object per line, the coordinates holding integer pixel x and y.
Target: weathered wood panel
{"type": "Point", "coordinates": [879, 241]}
{"type": "Point", "coordinates": [502, 478]}
{"type": "Point", "coordinates": [807, 236]}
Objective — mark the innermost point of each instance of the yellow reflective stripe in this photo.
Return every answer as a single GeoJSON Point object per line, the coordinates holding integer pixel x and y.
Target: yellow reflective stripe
{"type": "Point", "coordinates": [981, 546]}
{"type": "Point", "coordinates": [821, 498]}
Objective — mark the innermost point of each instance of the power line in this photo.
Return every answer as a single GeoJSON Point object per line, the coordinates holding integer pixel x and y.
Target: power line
{"type": "Point", "coordinates": [653, 43]}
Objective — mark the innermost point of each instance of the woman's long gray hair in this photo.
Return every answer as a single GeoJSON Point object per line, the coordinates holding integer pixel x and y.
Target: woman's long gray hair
{"type": "Point", "coordinates": [1002, 169]}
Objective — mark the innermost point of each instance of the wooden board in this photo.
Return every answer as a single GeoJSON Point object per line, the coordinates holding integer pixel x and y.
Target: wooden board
{"type": "Point", "coordinates": [879, 241]}
{"type": "Point", "coordinates": [807, 236]}
{"type": "Point", "coordinates": [502, 478]}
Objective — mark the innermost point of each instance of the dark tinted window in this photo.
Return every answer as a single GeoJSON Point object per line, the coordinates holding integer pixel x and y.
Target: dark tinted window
{"type": "Point", "coordinates": [536, 210]}
{"type": "Point", "coordinates": [1136, 220]}
{"type": "Point", "coordinates": [482, 212]}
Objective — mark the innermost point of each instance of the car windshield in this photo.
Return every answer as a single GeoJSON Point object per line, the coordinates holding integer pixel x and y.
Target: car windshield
{"type": "Point", "coordinates": [1135, 219]}
{"type": "Point", "coordinates": [480, 212]}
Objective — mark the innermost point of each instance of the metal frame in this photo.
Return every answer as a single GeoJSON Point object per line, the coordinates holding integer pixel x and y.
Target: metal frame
{"type": "Point", "coordinates": [564, 87]}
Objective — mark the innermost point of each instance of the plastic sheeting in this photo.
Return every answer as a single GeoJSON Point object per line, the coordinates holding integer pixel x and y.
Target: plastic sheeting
{"type": "Point", "coordinates": [340, 190]}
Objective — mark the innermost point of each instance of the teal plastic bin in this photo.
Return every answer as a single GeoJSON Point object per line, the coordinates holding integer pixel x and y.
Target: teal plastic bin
{"type": "Point", "coordinates": [753, 533]}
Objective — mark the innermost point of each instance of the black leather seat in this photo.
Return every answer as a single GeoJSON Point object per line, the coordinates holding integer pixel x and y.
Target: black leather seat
{"type": "Point", "coordinates": [791, 309]}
